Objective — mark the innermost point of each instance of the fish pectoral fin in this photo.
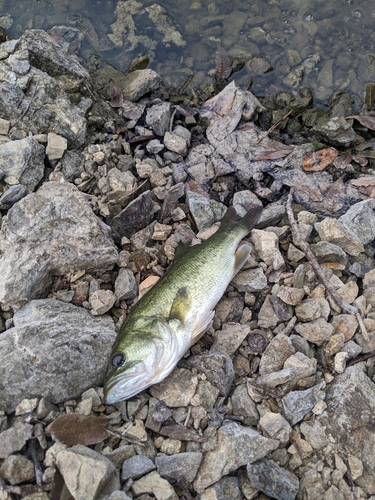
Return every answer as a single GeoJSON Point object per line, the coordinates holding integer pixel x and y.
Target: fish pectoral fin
{"type": "Point", "coordinates": [201, 325]}
{"type": "Point", "coordinates": [240, 257]}
{"type": "Point", "coordinates": [180, 306]}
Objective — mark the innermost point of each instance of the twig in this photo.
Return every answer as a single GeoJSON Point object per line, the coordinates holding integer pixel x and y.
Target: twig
{"type": "Point", "coordinates": [171, 121]}
{"type": "Point", "coordinates": [34, 458]}
{"type": "Point", "coordinates": [275, 125]}
{"type": "Point", "coordinates": [187, 416]}
{"type": "Point", "coordinates": [28, 105]}
{"type": "Point", "coordinates": [363, 328]}
{"type": "Point", "coordinates": [304, 246]}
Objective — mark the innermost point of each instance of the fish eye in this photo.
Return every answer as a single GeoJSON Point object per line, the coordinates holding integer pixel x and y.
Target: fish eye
{"type": "Point", "coordinates": [118, 360]}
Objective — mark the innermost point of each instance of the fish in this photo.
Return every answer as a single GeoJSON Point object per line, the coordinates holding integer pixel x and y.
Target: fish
{"type": "Point", "coordinates": [178, 309]}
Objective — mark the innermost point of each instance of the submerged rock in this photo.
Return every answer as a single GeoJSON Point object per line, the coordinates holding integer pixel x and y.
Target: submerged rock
{"type": "Point", "coordinates": [54, 349]}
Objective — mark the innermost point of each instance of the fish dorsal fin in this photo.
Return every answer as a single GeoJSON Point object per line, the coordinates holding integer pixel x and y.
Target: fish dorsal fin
{"type": "Point", "coordinates": [181, 250]}
{"type": "Point", "coordinates": [180, 305]}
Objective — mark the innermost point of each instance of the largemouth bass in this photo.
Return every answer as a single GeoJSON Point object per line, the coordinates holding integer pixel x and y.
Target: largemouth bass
{"type": "Point", "coordinates": [178, 310]}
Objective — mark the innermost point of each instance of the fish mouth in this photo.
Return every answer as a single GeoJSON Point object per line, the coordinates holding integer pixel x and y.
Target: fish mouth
{"type": "Point", "coordinates": [125, 384]}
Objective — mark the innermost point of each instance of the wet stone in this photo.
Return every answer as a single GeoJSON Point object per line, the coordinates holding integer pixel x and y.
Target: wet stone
{"type": "Point", "coordinates": [273, 480]}
{"type": "Point", "coordinates": [336, 130]}
{"type": "Point", "coordinates": [182, 467]}
{"type": "Point", "coordinates": [136, 467]}
{"type": "Point", "coordinates": [138, 83]}
{"type": "Point", "coordinates": [177, 389]}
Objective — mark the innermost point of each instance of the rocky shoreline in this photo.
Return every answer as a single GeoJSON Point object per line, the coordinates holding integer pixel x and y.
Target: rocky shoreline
{"type": "Point", "coordinates": [101, 176]}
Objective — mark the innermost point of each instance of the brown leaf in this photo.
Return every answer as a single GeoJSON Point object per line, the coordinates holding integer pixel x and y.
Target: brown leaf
{"type": "Point", "coordinates": [182, 433]}
{"type": "Point", "coordinates": [117, 98]}
{"type": "Point", "coordinates": [343, 161]}
{"type": "Point", "coordinates": [361, 160]}
{"type": "Point", "coordinates": [365, 186]}
{"type": "Point", "coordinates": [272, 155]}
{"type": "Point", "coordinates": [73, 428]}
{"type": "Point", "coordinates": [223, 63]}
{"type": "Point", "coordinates": [140, 138]}
{"type": "Point", "coordinates": [319, 160]}
{"type": "Point", "coordinates": [366, 121]}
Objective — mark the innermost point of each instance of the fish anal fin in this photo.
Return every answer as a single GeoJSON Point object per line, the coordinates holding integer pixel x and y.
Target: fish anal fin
{"type": "Point", "coordinates": [240, 257]}
{"type": "Point", "coordinates": [180, 306]}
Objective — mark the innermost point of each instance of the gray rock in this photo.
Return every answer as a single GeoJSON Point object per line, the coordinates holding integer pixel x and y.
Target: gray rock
{"type": "Point", "coordinates": [77, 464]}
{"type": "Point", "coordinates": [276, 353]}
{"type": "Point", "coordinates": [175, 143]}
{"type": "Point", "coordinates": [136, 467]}
{"type": "Point", "coordinates": [351, 406]}
{"type": "Point", "coordinates": [17, 469]}
{"type": "Point", "coordinates": [56, 146]}
{"type": "Point", "coordinates": [154, 147]}
{"type": "Point", "coordinates": [182, 467]}
{"type": "Point", "coordinates": [352, 348]}
{"type": "Point", "coordinates": [37, 241]}
{"type": "Point", "coordinates": [205, 212]}
{"type": "Point", "coordinates": [314, 434]}
{"type": "Point", "coordinates": [137, 83]}
{"type": "Point", "coordinates": [218, 369]}
{"type": "Point", "coordinates": [202, 173]}
{"type": "Point", "coordinates": [177, 389]}
{"type": "Point", "coordinates": [227, 488]}
{"type": "Point", "coordinates": [134, 217]}
{"type": "Point", "coordinates": [333, 231]}
{"type": "Point", "coordinates": [102, 301]}
{"type": "Point", "coordinates": [79, 342]}
{"type": "Point", "coordinates": [13, 439]}
{"type": "Point", "coordinates": [275, 426]}
{"type": "Point", "coordinates": [297, 404]}
{"type": "Point", "coordinates": [360, 218]}
{"type": "Point", "coordinates": [12, 195]}
{"type": "Point", "coordinates": [336, 131]}
{"type": "Point", "coordinates": [22, 162]}
{"type": "Point", "coordinates": [244, 200]}
{"type": "Point", "coordinates": [120, 454]}
{"type": "Point", "coordinates": [328, 252]}
{"type": "Point", "coordinates": [251, 280]}
{"type": "Point", "coordinates": [311, 309]}
{"type": "Point", "coordinates": [158, 118]}
{"type": "Point", "coordinates": [267, 317]}
{"type": "Point", "coordinates": [244, 406]}
{"type": "Point", "coordinates": [267, 247]}
{"type": "Point", "coordinates": [125, 285]}
{"type": "Point", "coordinates": [72, 165]}
{"type": "Point", "coordinates": [273, 480]}
{"type": "Point", "coordinates": [290, 295]}
{"type": "Point", "coordinates": [236, 446]}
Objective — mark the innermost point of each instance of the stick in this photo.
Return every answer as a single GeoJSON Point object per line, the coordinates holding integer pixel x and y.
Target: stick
{"type": "Point", "coordinates": [275, 125]}
{"type": "Point", "coordinates": [363, 328]}
{"type": "Point", "coordinates": [34, 457]}
{"type": "Point", "coordinates": [304, 246]}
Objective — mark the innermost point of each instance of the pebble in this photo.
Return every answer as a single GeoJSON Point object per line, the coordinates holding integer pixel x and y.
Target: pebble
{"type": "Point", "coordinates": [154, 484]}
{"type": "Point", "coordinates": [317, 332]}
{"type": "Point", "coordinates": [56, 146]}
{"type": "Point", "coordinates": [236, 446]}
{"type": "Point", "coordinates": [230, 338]}
{"type": "Point", "coordinates": [26, 406]}
{"type": "Point", "coordinates": [14, 439]}
{"type": "Point", "coordinates": [244, 406]}
{"type": "Point", "coordinates": [175, 143]}
{"type": "Point", "coordinates": [125, 285]}
{"type": "Point", "coordinates": [314, 434]}
{"type": "Point", "coordinates": [311, 309]}
{"type": "Point", "coordinates": [205, 212]}
{"type": "Point", "coordinates": [340, 361]}
{"type": "Point", "coordinates": [295, 405]}
{"type": "Point", "coordinates": [17, 469]}
{"type": "Point", "coordinates": [177, 389]}
{"type": "Point", "coordinates": [227, 488]}
{"type": "Point", "coordinates": [326, 253]}
{"type": "Point", "coordinates": [102, 301]}
{"type": "Point", "coordinates": [333, 231]}
{"type": "Point", "coordinates": [158, 118]}
{"type": "Point", "coordinates": [266, 245]}
{"type": "Point", "coordinates": [182, 467]}
{"type": "Point", "coordinates": [273, 480]}
{"type": "Point", "coordinates": [360, 219]}
{"type": "Point", "coordinates": [346, 324]}
{"type": "Point", "coordinates": [218, 369]}
{"type": "Point", "coordinates": [267, 317]}
{"type": "Point", "coordinates": [76, 465]}
{"type": "Point", "coordinates": [275, 354]}
{"type": "Point", "coordinates": [290, 295]}
{"type": "Point", "coordinates": [251, 280]}
{"type": "Point", "coordinates": [275, 426]}
{"type": "Point", "coordinates": [136, 467]}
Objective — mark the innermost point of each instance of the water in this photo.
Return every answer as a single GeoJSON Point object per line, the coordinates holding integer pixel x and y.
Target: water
{"type": "Point", "coordinates": [324, 45]}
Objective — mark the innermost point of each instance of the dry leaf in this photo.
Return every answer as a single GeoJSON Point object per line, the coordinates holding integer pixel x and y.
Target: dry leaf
{"type": "Point", "coordinates": [271, 155]}
{"type": "Point", "coordinates": [365, 186]}
{"type": "Point", "coordinates": [89, 33]}
{"type": "Point", "coordinates": [361, 160]}
{"type": "Point", "coordinates": [73, 428]}
{"type": "Point", "coordinates": [140, 138]}
{"type": "Point", "coordinates": [319, 160]}
{"type": "Point", "coordinates": [366, 121]}
{"type": "Point", "coordinates": [117, 98]}
{"type": "Point", "coordinates": [343, 161]}
{"type": "Point", "coordinates": [223, 63]}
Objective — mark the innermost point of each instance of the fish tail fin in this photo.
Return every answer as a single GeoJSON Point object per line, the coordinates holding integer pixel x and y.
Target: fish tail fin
{"type": "Point", "coordinates": [248, 221]}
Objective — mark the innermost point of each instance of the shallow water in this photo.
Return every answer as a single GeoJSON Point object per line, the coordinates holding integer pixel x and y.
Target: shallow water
{"type": "Point", "coordinates": [324, 45]}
